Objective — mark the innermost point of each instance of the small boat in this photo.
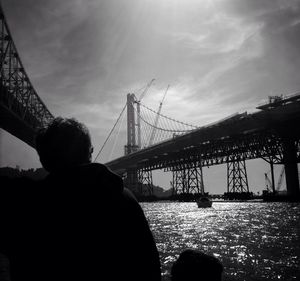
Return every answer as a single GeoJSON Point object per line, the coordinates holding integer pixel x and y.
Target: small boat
{"type": "Point", "coordinates": [204, 202]}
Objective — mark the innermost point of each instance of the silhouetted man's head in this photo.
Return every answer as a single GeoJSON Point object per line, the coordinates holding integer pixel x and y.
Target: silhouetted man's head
{"type": "Point", "coordinates": [193, 265]}
{"type": "Point", "coordinates": [64, 143]}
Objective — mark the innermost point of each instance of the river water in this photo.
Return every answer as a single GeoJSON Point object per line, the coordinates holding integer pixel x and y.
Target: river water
{"type": "Point", "coordinates": [254, 241]}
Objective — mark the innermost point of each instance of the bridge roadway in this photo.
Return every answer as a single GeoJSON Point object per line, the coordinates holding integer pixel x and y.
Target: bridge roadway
{"type": "Point", "coordinates": [271, 133]}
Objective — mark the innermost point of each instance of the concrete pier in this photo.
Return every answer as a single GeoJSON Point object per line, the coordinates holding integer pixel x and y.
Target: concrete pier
{"type": "Point", "coordinates": [291, 168]}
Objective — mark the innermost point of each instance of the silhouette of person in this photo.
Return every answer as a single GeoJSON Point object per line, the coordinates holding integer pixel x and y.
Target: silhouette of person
{"type": "Point", "coordinates": [4, 268]}
{"type": "Point", "coordinates": [194, 265]}
{"type": "Point", "coordinates": [79, 222]}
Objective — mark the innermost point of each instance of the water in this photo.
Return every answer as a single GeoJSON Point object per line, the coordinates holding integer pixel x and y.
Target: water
{"type": "Point", "coordinates": [254, 241]}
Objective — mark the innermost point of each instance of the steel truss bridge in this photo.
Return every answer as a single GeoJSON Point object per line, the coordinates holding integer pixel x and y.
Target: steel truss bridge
{"type": "Point", "coordinates": [272, 134]}
{"type": "Point", "coordinates": [22, 111]}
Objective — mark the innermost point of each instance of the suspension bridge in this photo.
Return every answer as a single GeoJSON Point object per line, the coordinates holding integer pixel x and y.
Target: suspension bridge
{"type": "Point", "coordinates": [271, 134]}
{"type": "Point", "coordinates": [156, 141]}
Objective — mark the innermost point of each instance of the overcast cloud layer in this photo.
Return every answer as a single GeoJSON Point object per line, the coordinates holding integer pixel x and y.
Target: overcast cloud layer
{"type": "Point", "coordinates": [220, 57]}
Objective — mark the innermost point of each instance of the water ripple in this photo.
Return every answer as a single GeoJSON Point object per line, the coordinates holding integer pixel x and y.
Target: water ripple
{"type": "Point", "coordinates": [254, 241]}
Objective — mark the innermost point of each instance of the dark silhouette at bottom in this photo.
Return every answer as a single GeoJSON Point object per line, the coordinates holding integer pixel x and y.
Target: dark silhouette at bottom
{"type": "Point", "coordinates": [79, 223]}
{"type": "Point", "coordinates": [194, 265]}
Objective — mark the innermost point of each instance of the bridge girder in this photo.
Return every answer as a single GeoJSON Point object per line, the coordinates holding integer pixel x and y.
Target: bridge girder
{"type": "Point", "coordinates": [219, 152]}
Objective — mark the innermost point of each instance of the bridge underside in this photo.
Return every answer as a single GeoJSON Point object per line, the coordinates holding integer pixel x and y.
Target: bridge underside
{"type": "Point", "coordinates": [11, 123]}
{"type": "Point", "coordinates": [22, 111]}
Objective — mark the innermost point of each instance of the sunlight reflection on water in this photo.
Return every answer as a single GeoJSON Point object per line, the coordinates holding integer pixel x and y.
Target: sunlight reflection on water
{"type": "Point", "coordinates": [254, 241]}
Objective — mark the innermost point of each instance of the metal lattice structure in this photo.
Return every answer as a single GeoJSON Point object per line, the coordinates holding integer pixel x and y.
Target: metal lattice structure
{"type": "Point", "coordinates": [237, 180]}
{"type": "Point", "coordinates": [22, 110]}
{"type": "Point", "coordinates": [179, 182]}
{"type": "Point", "coordinates": [188, 180]}
{"type": "Point", "coordinates": [145, 182]}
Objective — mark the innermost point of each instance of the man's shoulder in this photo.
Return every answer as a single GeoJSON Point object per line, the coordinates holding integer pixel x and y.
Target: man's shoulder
{"type": "Point", "coordinates": [128, 195]}
{"type": "Point", "coordinates": [92, 174]}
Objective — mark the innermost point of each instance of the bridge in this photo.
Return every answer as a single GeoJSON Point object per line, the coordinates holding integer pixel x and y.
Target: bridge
{"type": "Point", "coordinates": [272, 133]}
{"type": "Point", "coordinates": [22, 111]}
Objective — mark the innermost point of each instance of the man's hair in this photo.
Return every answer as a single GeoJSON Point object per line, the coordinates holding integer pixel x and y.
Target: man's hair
{"type": "Point", "coordinates": [63, 143]}
{"type": "Point", "coordinates": [194, 265]}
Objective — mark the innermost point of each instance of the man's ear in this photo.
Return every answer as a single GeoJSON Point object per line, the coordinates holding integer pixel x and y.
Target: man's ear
{"type": "Point", "coordinates": [91, 152]}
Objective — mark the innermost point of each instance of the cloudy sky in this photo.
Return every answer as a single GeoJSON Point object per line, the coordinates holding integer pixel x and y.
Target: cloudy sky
{"type": "Point", "coordinates": [219, 57]}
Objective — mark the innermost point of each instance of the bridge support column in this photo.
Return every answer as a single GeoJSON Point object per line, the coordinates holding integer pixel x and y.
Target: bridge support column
{"type": "Point", "coordinates": [237, 180]}
{"type": "Point", "coordinates": [291, 168]}
{"type": "Point", "coordinates": [131, 180]}
{"type": "Point", "coordinates": [179, 182]}
{"type": "Point", "coordinates": [188, 181]}
{"type": "Point", "coordinates": [272, 177]}
{"type": "Point", "coordinates": [139, 182]}
{"type": "Point", "coordinates": [145, 182]}
{"type": "Point", "coordinates": [195, 180]}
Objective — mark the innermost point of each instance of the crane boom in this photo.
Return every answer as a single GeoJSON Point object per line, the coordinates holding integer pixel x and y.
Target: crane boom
{"type": "Point", "coordinates": [157, 117]}
{"type": "Point", "coordinates": [146, 89]}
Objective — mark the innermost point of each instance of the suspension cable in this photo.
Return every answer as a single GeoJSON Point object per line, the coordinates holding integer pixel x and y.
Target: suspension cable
{"type": "Point", "coordinates": [110, 133]}
{"type": "Point", "coordinates": [179, 122]}
{"type": "Point", "coordinates": [166, 130]}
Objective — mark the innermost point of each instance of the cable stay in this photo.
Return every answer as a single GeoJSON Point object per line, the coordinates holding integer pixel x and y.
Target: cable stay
{"type": "Point", "coordinates": [157, 117]}
{"type": "Point", "coordinates": [116, 138]}
{"type": "Point", "coordinates": [138, 102]}
{"type": "Point", "coordinates": [163, 129]}
{"type": "Point", "coordinates": [110, 132]}
{"type": "Point", "coordinates": [166, 128]}
{"type": "Point", "coordinates": [169, 118]}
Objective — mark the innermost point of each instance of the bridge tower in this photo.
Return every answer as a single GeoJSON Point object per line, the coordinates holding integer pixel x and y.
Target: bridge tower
{"type": "Point", "coordinates": [131, 134]}
{"type": "Point", "coordinates": [237, 180]}
{"type": "Point", "coordinates": [139, 181]}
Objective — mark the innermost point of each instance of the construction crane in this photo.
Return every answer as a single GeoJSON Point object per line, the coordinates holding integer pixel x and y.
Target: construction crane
{"type": "Point", "coordinates": [279, 183]}
{"type": "Point", "coordinates": [268, 183]}
{"type": "Point", "coordinates": [157, 117]}
{"type": "Point", "coordinates": [146, 89]}
{"type": "Point", "coordinates": [138, 102]}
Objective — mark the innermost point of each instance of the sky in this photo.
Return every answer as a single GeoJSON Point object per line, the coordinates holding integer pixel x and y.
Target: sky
{"type": "Point", "coordinates": [218, 56]}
